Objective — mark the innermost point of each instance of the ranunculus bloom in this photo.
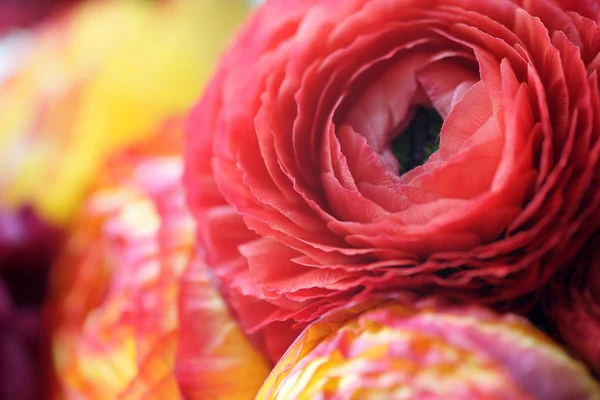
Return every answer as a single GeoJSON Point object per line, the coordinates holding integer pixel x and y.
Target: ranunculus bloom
{"type": "Point", "coordinates": [295, 186]}
{"type": "Point", "coordinates": [93, 80]}
{"type": "Point", "coordinates": [391, 351]}
{"type": "Point", "coordinates": [113, 311]}
{"type": "Point", "coordinates": [114, 287]}
{"type": "Point", "coordinates": [573, 306]}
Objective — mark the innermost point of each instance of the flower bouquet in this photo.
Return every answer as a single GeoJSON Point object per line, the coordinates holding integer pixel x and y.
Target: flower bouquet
{"type": "Point", "coordinates": [371, 199]}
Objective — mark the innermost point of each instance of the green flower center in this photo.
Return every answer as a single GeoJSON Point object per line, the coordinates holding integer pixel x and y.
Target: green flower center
{"type": "Point", "coordinates": [420, 140]}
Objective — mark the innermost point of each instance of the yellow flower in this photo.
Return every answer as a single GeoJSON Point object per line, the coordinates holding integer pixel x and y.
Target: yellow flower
{"type": "Point", "coordinates": [97, 79]}
{"type": "Point", "coordinates": [394, 352]}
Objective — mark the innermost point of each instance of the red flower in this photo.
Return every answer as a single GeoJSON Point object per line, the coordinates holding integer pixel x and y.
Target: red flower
{"type": "Point", "coordinates": [296, 188]}
{"type": "Point", "coordinates": [573, 306]}
{"type": "Point", "coordinates": [426, 352]}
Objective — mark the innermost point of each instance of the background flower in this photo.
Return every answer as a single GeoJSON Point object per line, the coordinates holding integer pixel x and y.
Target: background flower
{"type": "Point", "coordinates": [113, 312]}
{"type": "Point", "coordinates": [25, 271]}
{"type": "Point", "coordinates": [19, 14]}
{"type": "Point", "coordinates": [20, 371]}
{"type": "Point", "coordinates": [114, 288]}
{"type": "Point", "coordinates": [88, 81]}
{"type": "Point", "coordinates": [96, 79]}
{"type": "Point", "coordinates": [573, 305]}
{"type": "Point", "coordinates": [393, 351]}
{"type": "Point", "coordinates": [27, 246]}
{"type": "Point", "coordinates": [296, 140]}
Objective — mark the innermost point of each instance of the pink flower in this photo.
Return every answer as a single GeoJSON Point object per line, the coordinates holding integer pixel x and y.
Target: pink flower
{"type": "Point", "coordinates": [391, 351]}
{"type": "Point", "coordinates": [112, 307]}
{"type": "Point", "coordinates": [118, 328]}
{"type": "Point", "coordinates": [293, 179]}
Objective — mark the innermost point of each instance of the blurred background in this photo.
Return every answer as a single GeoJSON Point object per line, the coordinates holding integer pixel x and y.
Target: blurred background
{"type": "Point", "coordinates": [81, 81]}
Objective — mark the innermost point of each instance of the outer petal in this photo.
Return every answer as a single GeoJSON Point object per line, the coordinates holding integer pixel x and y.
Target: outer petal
{"type": "Point", "coordinates": [215, 360]}
{"type": "Point", "coordinates": [391, 351]}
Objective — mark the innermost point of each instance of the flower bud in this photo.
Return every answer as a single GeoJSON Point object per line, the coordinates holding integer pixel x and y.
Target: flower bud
{"type": "Point", "coordinates": [391, 351]}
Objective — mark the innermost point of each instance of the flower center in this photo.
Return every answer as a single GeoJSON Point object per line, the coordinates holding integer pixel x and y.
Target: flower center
{"type": "Point", "coordinates": [420, 140]}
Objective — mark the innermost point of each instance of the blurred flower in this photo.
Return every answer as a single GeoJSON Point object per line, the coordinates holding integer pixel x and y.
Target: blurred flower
{"type": "Point", "coordinates": [573, 305]}
{"type": "Point", "coordinates": [114, 291]}
{"type": "Point", "coordinates": [86, 83]}
{"type": "Point", "coordinates": [391, 351]}
{"type": "Point", "coordinates": [20, 370]}
{"type": "Point", "coordinates": [22, 13]}
{"type": "Point", "coordinates": [96, 79]}
{"type": "Point", "coordinates": [27, 246]}
{"type": "Point", "coordinates": [114, 288]}
{"type": "Point", "coordinates": [214, 359]}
